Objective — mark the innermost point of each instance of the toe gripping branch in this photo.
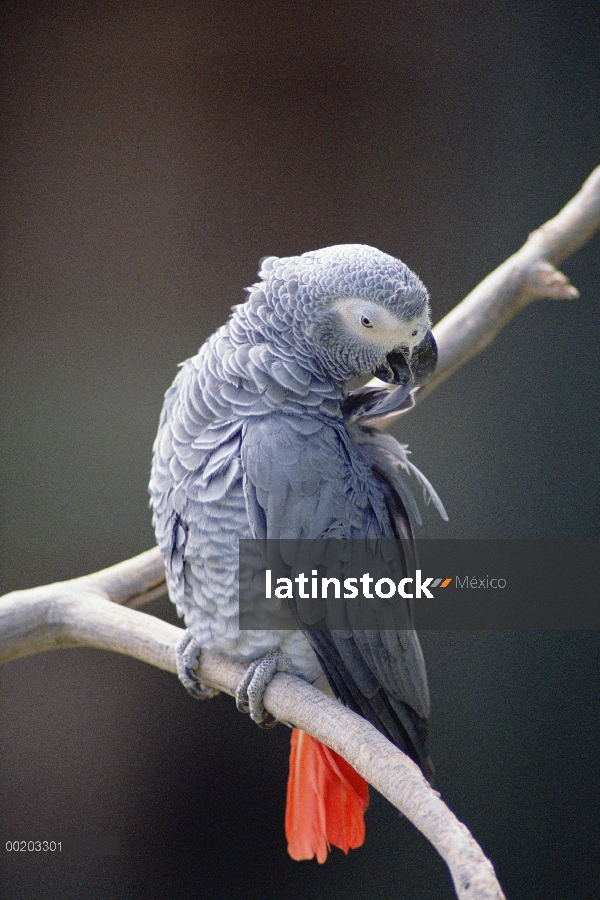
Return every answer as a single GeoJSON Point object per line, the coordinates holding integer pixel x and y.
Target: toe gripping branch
{"type": "Point", "coordinates": [187, 655]}
{"type": "Point", "coordinates": [251, 689]}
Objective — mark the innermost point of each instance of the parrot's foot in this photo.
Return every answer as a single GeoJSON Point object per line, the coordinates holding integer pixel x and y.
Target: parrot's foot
{"type": "Point", "coordinates": [187, 655]}
{"type": "Point", "coordinates": [251, 689]}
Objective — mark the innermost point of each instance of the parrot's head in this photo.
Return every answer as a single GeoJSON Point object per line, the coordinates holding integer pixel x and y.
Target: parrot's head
{"type": "Point", "coordinates": [354, 310]}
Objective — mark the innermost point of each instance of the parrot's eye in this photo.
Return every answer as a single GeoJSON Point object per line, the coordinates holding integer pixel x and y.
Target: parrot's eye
{"type": "Point", "coordinates": [414, 334]}
{"type": "Point", "coordinates": [366, 322]}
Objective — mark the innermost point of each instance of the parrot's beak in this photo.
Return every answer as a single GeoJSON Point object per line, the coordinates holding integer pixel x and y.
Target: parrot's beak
{"type": "Point", "coordinates": [423, 360]}
{"type": "Point", "coordinates": [414, 370]}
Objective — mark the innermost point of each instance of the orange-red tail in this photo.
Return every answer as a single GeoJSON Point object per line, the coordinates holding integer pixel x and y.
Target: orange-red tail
{"type": "Point", "coordinates": [326, 801]}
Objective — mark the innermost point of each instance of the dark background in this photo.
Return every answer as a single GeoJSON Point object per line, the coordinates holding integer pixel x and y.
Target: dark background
{"type": "Point", "coordinates": [151, 154]}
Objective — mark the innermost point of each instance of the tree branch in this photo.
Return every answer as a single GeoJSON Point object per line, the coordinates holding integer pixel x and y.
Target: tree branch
{"type": "Point", "coordinates": [93, 611]}
{"type": "Point", "coordinates": [86, 612]}
{"type": "Point", "coordinates": [526, 276]}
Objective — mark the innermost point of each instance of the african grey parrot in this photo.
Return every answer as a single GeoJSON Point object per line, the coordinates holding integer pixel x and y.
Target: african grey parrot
{"type": "Point", "coordinates": [259, 438]}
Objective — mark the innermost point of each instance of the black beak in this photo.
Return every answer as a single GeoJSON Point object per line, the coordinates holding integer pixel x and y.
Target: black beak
{"type": "Point", "coordinates": [416, 370]}
{"type": "Point", "coordinates": [424, 360]}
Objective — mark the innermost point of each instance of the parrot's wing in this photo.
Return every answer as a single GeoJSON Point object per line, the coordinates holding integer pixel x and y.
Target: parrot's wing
{"type": "Point", "coordinates": [304, 479]}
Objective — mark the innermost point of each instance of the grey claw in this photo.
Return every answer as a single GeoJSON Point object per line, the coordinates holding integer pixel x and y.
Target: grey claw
{"type": "Point", "coordinates": [187, 655]}
{"type": "Point", "coordinates": [251, 689]}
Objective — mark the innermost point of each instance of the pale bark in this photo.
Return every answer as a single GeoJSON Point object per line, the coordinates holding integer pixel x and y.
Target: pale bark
{"type": "Point", "coordinates": [528, 275]}
{"type": "Point", "coordinates": [93, 611]}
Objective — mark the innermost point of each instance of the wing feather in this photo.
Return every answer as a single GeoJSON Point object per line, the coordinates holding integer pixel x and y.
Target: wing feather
{"type": "Point", "coordinates": [310, 481]}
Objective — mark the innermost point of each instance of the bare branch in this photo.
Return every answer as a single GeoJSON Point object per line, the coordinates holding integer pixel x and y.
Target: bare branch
{"type": "Point", "coordinates": [528, 275]}
{"type": "Point", "coordinates": [81, 612]}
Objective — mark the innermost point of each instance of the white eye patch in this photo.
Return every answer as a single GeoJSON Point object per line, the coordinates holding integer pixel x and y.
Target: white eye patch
{"type": "Point", "coordinates": [376, 325]}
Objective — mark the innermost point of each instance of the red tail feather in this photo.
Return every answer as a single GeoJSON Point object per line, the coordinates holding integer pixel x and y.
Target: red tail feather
{"type": "Point", "coordinates": [326, 801]}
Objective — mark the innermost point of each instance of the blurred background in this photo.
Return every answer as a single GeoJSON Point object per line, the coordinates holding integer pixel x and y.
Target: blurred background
{"type": "Point", "coordinates": [151, 154]}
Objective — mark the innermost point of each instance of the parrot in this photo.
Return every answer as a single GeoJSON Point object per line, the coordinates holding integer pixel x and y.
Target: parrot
{"type": "Point", "coordinates": [260, 437]}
